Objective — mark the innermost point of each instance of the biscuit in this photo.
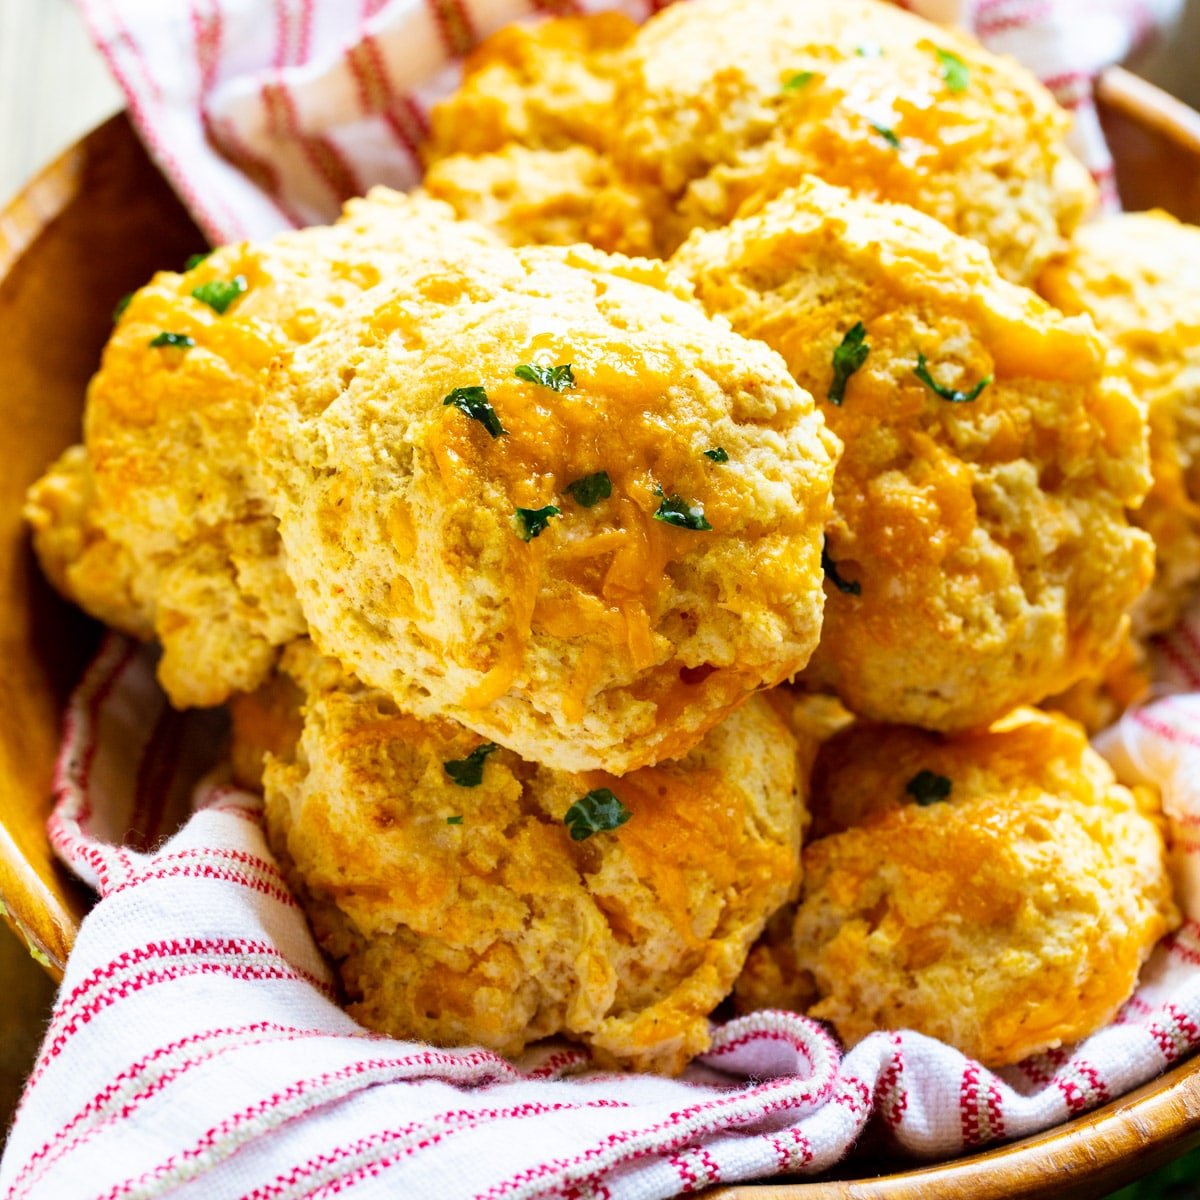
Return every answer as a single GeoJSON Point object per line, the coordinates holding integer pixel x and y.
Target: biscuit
{"type": "Point", "coordinates": [590, 567]}
{"type": "Point", "coordinates": [998, 890]}
{"type": "Point", "coordinates": [1136, 275]}
{"type": "Point", "coordinates": [469, 915]}
{"type": "Point", "coordinates": [160, 524]}
{"type": "Point", "coordinates": [979, 555]}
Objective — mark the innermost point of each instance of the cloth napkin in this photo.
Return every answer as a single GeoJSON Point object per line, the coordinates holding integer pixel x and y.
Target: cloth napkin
{"type": "Point", "coordinates": [195, 1049]}
{"type": "Point", "coordinates": [269, 113]}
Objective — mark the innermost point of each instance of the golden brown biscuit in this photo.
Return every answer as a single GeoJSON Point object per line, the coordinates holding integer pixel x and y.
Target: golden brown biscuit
{"type": "Point", "coordinates": [99, 574]}
{"type": "Point", "coordinates": [715, 106]}
{"type": "Point", "coordinates": [1137, 276]}
{"type": "Point", "coordinates": [979, 554]}
{"type": "Point", "coordinates": [721, 104]}
{"type": "Point", "coordinates": [544, 197]}
{"type": "Point", "coordinates": [997, 890]}
{"type": "Point", "coordinates": [546, 86]}
{"type": "Point", "coordinates": [468, 915]}
{"type": "Point", "coordinates": [162, 526]}
{"type": "Point", "coordinates": [520, 146]}
{"type": "Point", "coordinates": [562, 566]}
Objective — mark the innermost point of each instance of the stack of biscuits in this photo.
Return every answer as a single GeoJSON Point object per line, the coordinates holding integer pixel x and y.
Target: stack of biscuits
{"type": "Point", "coordinates": [633, 560]}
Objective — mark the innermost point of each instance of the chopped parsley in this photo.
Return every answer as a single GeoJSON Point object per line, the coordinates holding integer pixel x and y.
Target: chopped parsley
{"type": "Point", "coordinates": [468, 772]}
{"type": "Point", "coordinates": [591, 489]}
{"type": "Point", "coordinates": [921, 371]}
{"type": "Point", "coordinates": [955, 72]}
{"type": "Point", "coordinates": [454, 820]}
{"type": "Point", "coordinates": [194, 260]}
{"type": "Point", "coordinates": [557, 379]}
{"type": "Point", "coordinates": [717, 454]}
{"type": "Point", "coordinates": [597, 812]}
{"type": "Point", "coordinates": [927, 787]}
{"type": "Point", "coordinates": [180, 341]}
{"type": "Point", "coordinates": [847, 358]}
{"type": "Point", "coordinates": [801, 79]}
{"type": "Point", "coordinates": [849, 587]}
{"type": "Point", "coordinates": [531, 521]}
{"type": "Point", "coordinates": [674, 510]}
{"type": "Point", "coordinates": [474, 402]}
{"type": "Point", "coordinates": [219, 294]}
{"type": "Point", "coordinates": [869, 50]}
{"type": "Point", "coordinates": [888, 135]}
{"type": "Point", "coordinates": [120, 306]}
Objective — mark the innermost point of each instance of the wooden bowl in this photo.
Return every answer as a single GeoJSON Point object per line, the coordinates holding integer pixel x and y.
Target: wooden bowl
{"type": "Point", "coordinates": [97, 223]}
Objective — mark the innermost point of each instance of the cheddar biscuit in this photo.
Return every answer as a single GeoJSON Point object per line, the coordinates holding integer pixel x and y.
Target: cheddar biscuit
{"type": "Point", "coordinates": [1137, 276]}
{"type": "Point", "coordinates": [478, 910]}
{"type": "Point", "coordinates": [538, 492]}
{"type": "Point", "coordinates": [998, 890]}
{"type": "Point", "coordinates": [979, 555]}
{"type": "Point", "coordinates": [159, 524]}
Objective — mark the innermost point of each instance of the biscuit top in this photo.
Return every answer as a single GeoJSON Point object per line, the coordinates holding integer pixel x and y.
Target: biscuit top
{"type": "Point", "coordinates": [979, 505]}
{"type": "Point", "coordinates": [722, 103]}
{"type": "Point", "coordinates": [489, 514]}
{"type": "Point", "coordinates": [547, 86]}
{"type": "Point", "coordinates": [626, 936]}
{"type": "Point", "coordinates": [999, 890]}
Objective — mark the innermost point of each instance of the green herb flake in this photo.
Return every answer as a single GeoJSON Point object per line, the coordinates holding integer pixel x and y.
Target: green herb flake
{"type": "Point", "coordinates": [591, 489]}
{"type": "Point", "coordinates": [869, 50]}
{"type": "Point", "coordinates": [474, 402]}
{"type": "Point", "coordinates": [180, 341]}
{"type": "Point", "coordinates": [888, 135]}
{"type": "Point", "coordinates": [847, 358]}
{"type": "Point", "coordinates": [531, 521]}
{"type": "Point", "coordinates": [674, 510]}
{"type": "Point", "coordinates": [597, 812]}
{"type": "Point", "coordinates": [468, 772]}
{"type": "Point", "coordinates": [194, 260]}
{"type": "Point", "coordinates": [120, 307]}
{"type": "Point", "coordinates": [927, 787]}
{"type": "Point", "coordinates": [955, 72]}
{"type": "Point", "coordinates": [848, 587]}
{"type": "Point", "coordinates": [921, 371]}
{"type": "Point", "coordinates": [219, 294]}
{"type": "Point", "coordinates": [557, 379]}
{"type": "Point", "coordinates": [718, 454]}
{"type": "Point", "coordinates": [455, 820]}
{"type": "Point", "coordinates": [801, 79]}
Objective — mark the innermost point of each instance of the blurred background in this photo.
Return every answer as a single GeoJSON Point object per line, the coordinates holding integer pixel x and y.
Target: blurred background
{"type": "Point", "coordinates": [54, 87]}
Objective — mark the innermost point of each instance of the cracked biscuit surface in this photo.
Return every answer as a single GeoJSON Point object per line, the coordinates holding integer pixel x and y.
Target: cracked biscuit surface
{"type": "Point", "coordinates": [713, 107]}
{"type": "Point", "coordinates": [559, 564]}
{"type": "Point", "coordinates": [466, 915]}
{"type": "Point", "coordinates": [979, 553]}
{"type": "Point", "coordinates": [998, 890]}
{"type": "Point", "coordinates": [159, 524]}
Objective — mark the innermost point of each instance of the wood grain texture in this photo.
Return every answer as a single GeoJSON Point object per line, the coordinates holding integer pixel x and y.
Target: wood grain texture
{"type": "Point", "coordinates": [96, 224]}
